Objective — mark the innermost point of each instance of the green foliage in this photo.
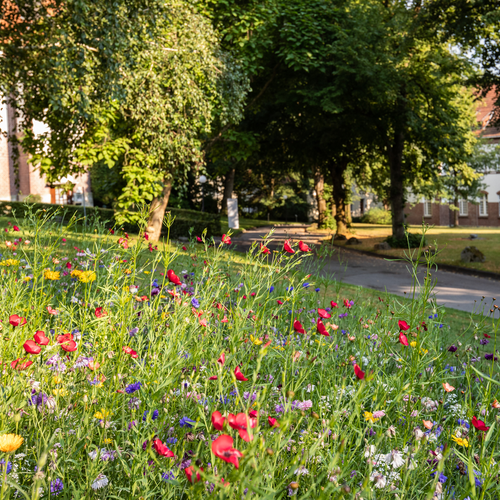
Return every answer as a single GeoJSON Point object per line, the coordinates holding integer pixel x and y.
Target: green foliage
{"type": "Point", "coordinates": [377, 216]}
{"type": "Point", "coordinates": [411, 240]}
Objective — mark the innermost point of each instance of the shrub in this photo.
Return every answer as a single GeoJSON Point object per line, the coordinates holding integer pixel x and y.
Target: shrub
{"type": "Point", "coordinates": [184, 219]}
{"type": "Point", "coordinates": [377, 216]}
{"type": "Point", "coordinates": [411, 240]}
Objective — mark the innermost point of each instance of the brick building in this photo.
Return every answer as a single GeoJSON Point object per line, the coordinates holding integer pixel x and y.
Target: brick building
{"type": "Point", "coordinates": [29, 179]}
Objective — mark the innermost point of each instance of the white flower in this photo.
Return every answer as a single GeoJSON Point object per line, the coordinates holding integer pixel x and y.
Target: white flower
{"type": "Point", "coordinates": [370, 450]}
{"type": "Point", "coordinates": [391, 431]}
{"type": "Point", "coordinates": [101, 481]}
{"type": "Point", "coordinates": [395, 458]}
{"type": "Point", "coordinates": [418, 434]}
{"type": "Point", "coordinates": [310, 387]}
{"type": "Point", "coordinates": [302, 471]}
{"type": "Point", "coordinates": [380, 480]}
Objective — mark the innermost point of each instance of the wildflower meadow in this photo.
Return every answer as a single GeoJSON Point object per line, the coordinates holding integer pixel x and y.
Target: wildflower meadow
{"type": "Point", "coordinates": [135, 371]}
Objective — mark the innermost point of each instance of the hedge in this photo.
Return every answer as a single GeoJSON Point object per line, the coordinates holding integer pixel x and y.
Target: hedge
{"type": "Point", "coordinates": [184, 219]}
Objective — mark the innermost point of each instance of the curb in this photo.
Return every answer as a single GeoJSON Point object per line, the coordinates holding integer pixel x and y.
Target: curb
{"type": "Point", "coordinates": [440, 267]}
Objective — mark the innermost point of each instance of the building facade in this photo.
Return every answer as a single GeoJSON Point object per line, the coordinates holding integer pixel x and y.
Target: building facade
{"type": "Point", "coordinates": [16, 186]}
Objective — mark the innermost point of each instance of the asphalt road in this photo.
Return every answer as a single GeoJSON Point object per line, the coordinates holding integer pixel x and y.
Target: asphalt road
{"type": "Point", "coordinates": [451, 289]}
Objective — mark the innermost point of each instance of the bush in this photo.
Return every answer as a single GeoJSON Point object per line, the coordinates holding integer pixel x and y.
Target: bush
{"type": "Point", "coordinates": [184, 219]}
{"type": "Point", "coordinates": [411, 240]}
{"type": "Point", "coordinates": [377, 216]}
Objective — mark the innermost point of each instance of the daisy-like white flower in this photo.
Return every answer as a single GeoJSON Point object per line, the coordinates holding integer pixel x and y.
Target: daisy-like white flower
{"type": "Point", "coordinates": [101, 481]}
{"type": "Point", "coordinates": [419, 435]}
{"type": "Point", "coordinates": [370, 450]}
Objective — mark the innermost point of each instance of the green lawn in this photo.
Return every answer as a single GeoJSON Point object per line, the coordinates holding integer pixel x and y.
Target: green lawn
{"type": "Point", "coordinates": [448, 240]}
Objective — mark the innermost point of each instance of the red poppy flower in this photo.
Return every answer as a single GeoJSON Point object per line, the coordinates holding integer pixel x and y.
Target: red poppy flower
{"type": "Point", "coordinates": [303, 247]}
{"type": "Point", "coordinates": [213, 377]}
{"type": "Point", "coordinates": [239, 376]}
{"type": "Point", "coordinates": [298, 327]}
{"type": "Point", "coordinates": [288, 248]}
{"type": "Point", "coordinates": [324, 314]}
{"type": "Point", "coordinates": [273, 422]}
{"type": "Point", "coordinates": [264, 249]}
{"type": "Point", "coordinates": [19, 364]}
{"type": "Point", "coordinates": [226, 239]}
{"type": "Point", "coordinates": [123, 243]}
{"type": "Point", "coordinates": [347, 304]}
{"type": "Point", "coordinates": [487, 336]}
{"type": "Point", "coordinates": [189, 474]}
{"type": "Point", "coordinates": [222, 359]}
{"type": "Point", "coordinates": [334, 304]}
{"type": "Point", "coordinates": [479, 425]}
{"type": "Point", "coordinates": [403, 325]}
{"type": "Point", "coordinates": [40, 338]}
{"type": "Point", "coordinates": [279, 302]}
{"type": "Point", "coordinates": [16, 320]}
{"type": "Point", "coordinates": [128, 350]}
{"type": "Point", "coordinates": [161, 449]}
{"type": "Point", "coordinates": [199, 240]}
{"type": "Point", "coordinates": [253, 414]}
{"type": "Point", "coordinates": [322, 328]}
{"type": "Point", "coordinates": [100, 312]}
{"type": "Point", "coordinates": [173, 278]}
{"type": "Point", "coordinates": [267, 344]}
{"type": "Point", "coordinates": [224, 319]}
{"type": "Point", "coordinates": [69, 346]}
{"type": "Point", "coordinates": [52, 311]}
{"type": "Point", "coordinates": [31, 348]}
{"type": "Point", "coordinates": [403, 339]}
{"type": "Point", "coordinates": [222, 448]}
{"type": "Point", "coordinates": [217, 420]}
{"type": "Point", "coordinates": [241, 422]}
{"type": "Point", "coordinates": [359, 372]}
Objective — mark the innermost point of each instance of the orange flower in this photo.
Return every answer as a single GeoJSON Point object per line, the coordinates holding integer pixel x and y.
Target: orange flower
{"type": "Point", "coordinates": [496, 404]}
{"type": "Point", "coordinates": [427, 424]}
{"type": "Point", "coordinates": [447, 387]}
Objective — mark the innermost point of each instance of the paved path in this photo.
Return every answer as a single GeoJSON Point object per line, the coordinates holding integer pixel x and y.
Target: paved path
{"type": "Point", "coordinates": [452, 289]}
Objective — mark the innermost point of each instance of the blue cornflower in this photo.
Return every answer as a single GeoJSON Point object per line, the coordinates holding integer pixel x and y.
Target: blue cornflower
{"type": "Point", "coordinates": [130, 389]}
{"type": "Point", "coordinates": [168, 476]}
{"type": "Point", "coordinates": [289, 289]}
{"type": "Point", "coordinates": [9, 466]}
{"type": "Point", "coordinates": [305, 285]}
{"type": "Point", "coordinates": [153, 417]}
{"type": "Point", "coordinates": [464, 423]}
{"type": "Point", "coordinates": [317, 289]}
{"type": "Point", "coordinates": [484, 341]}
{"type": "Point", "coordinates": [155, 283]}
{"type": "Point", "coordinates": [271, 289]}
{"type": "Point", "coordinates": [186, 422]}
{"type": "Point", "coordinates": [171, 440]}
{"type": "Point", "coordinates": [195, 303]}
{"type": "Point", "coordinates": [56, 486]}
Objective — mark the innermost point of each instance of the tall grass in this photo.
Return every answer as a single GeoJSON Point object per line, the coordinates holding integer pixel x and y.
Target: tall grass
{"type": "Point", "coordinates": [154, 361]}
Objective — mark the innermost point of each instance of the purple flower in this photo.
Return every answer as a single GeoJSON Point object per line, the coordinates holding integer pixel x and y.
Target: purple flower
{"type": "Point", "coordinates": [130, 389]}
{"type": "Point", "coordinates": [56, 486]}
{"type": "Point", "coordinates": [2, 464]}
{"type": "Point", "coordinates": [195, 303]}
{"type": "Point", "coordinates": [133, 331]}
{"type": "Point", "coordinates": [186, 422]}
{"type": "Point", "coordinates": [452, 348]}
{"type": "Point", "coordinates": [153, 417]}
{"type": "Point", "coordinates": [484, 341]}
{"type": "Point", "coordinates": [490, 357]}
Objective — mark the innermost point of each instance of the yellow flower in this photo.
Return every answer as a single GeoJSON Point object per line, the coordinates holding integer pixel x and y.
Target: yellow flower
{"type": "Point", "coordinates": [146, 272]}
{"type": "Point", "coordinates": [87, 276]}
{"type": "Point", "coordinates": [460, 441]}
{"type": "Point", "coordinates": [56, 379]}
{"type": "Point", "coordinates": [423, 351]}
{"type": "Point", "coordinates": [60, 392]}
{"type": "Point", "coordinates": [369, 417]}
{"type": "Point", "coordinates": [127, 271]}
{"type": "Point", "coordinates": [76, 273]}
{"type": "Point", "coordinates": [255, 340]}
{"type": "Point", "coordinates": [51, 275]}
{"type": "Point", "coordinates": [9, 262]}
{"type": "Point", "coordinates": [103, 414]}
{"type": "Point", "coordinates": [413, 344]}
{"type": "Point", "coordinates": [108, 441]}
{"type": "Point", "coordinates": [10, 442]}
{"type": "Point", "coordinates": [27, 278]}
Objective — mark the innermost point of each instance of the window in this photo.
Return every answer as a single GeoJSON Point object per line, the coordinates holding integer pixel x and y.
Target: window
{"type": "Point", "coordinates": [463, 208]}
{"type": "Point", "coordinates": [483, 205]}
{"type": "Point", "coordinates": [427, 208]}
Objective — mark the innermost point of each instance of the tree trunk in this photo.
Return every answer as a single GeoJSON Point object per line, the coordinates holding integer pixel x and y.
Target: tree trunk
{"type": "Point", "coordinates": [319, 185]}
{"type": "Point", "coordinates": [228, 189]}
{"type": "Point", "coordinates": [339, 197]}
{"type": "Point", "coordinates": [157, 211]}
{"type": "Point", "coordinates": [456, 212]}
{"type": "Point", "coordinates": [395, 158]}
